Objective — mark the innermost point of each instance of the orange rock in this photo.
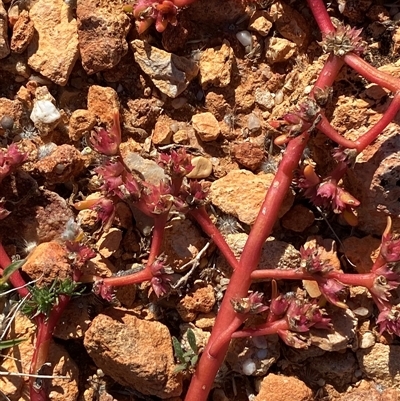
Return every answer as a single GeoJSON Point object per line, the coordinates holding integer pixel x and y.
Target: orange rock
{"type": "Point", "coordinates": [47, 262]}
{"type": "Point", "coordinates": [282, 388]}
{"type": "Point", "coordinates": [200, 300]}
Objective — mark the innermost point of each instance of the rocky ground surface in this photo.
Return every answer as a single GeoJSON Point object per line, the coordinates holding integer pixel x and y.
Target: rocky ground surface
{"type": "Point", "coordinates": [64, 69]}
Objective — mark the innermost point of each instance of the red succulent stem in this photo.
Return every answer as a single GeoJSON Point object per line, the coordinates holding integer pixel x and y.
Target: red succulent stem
{"type": "Point", "coordinates": [183, 3]}
{"type": "Point", "coordinates": [134, 278]}
{"type": "Point", "coordinates": [371, 73]}
{"type": "Point", "coordinates": [328, 73]}
{"type": "Point", "coordinates": [272, 203]}
{"type": "Point", "coordinates": [387, 118]}
{"type": "Point", "coordinates": [339, 171]}
{"type": "Point", "coordinates": [209, 228]}
{"type": "Point", "coordinates": [158, 236]}
{"type": "Point", "coordinates": [325, 127]}
{"type": "Point", "coordinates": [364, 280]}
{"type": "Point", "coordinates": [16, 279]}
{"type": "Point", "coordinates": [366, 139]}
{"type": "Point", "coordinates": [228, 321]}
{"type": "Point", "coordinates": [263, 330]}
{"type": "Point", "coordinates": [45, 328]}
{"type": "Point", "coordinates": [321, 15]}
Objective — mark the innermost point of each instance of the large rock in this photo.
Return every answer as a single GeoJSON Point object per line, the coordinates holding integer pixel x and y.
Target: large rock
{"type": "Point", "coordinates": [54, 48]}
{"type": "Point", "coordinates": [102, 102]}
{"type": "Point", "coordinates": [19, 359]}
{"type": "Point", "coordinates": [102, 29]}
{"type": "Point", "coordinates": [282, 388]}
{"type": "Point", "coordinates": [231, 194]}
{"type": "Point", "coordinates": [374, 181]}
{"type": "Point", "coordinates": [381, 363]}
{"type": "Point", "coordinates": [170, 73]}
{"type": "Point", "coordinates": [134, 352]}
{"type": "Point", "coordinates": [4, 47]}
{"type": "Point", "coordinates": [216, 66]}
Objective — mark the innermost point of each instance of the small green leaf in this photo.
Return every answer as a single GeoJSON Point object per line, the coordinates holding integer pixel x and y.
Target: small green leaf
{"type": "Point", "coordinates": [192, 340]}
{"type": "Point", "coordinates": [178, 349]}
{"type": "Point", "coordinates": [194, 360]}
{"type": "Point", "coordinates": [180, 368]}
{"type": "Point", "coordinates": [9, 270]}
{"type": "Point", "coordinates": [10, 343]}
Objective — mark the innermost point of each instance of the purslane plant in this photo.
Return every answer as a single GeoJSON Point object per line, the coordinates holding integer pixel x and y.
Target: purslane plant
{"type": "Point", "coordinates": [285, 315]}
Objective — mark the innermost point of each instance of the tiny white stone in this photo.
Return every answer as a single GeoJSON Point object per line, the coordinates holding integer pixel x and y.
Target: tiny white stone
{"type": "Point", "coordinates": [244, 37]}
{"type": "Point", "coordinates": [249, 367]}
{"type": "Point", "coordinates": [45, 112]}
{"type": "Point", "coordinates": [253, 123]}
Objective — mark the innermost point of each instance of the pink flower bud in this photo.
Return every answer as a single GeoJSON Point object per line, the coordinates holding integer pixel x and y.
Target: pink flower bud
{"type": "Point", "coordinates": [107, 142]}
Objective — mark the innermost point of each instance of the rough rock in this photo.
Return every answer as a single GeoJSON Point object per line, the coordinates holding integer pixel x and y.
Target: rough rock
{"type": "Point", "coordinates": [381, 363]}
{"type": "Point", "coordinates": [102, 30]}
{"type": "Point", "coordinates": [4, 47]}
{"type": "Point", "coordinates": [62, 165]}
{"type": "Point", "coordinates": [148, 169]}
{"type": "Point", "coordinates": [171, 74]}
{"type": "Point", "coordinates": [103, 102]}
{"type": "Point", "coordinates": [282, 388]}
{"type": "Point", "coordinates": [342, 336]}
{"type": "Point", "coordinates": [52, 55]}
{"type": "Point", "coordinates": [290, 23]}
{"type": "Point", "coordinates": [260, 23]}
{"type": "Point", "coordinates": [216, 66]}
{"type": "Point", "coordinates": [23, 32]}
{"type": "Point", "coordinates": [201, 299]}
{"type": "Point", "coordinates": [47, 262]}
{"type": "Point", "coordinates": [16, 387]}
{"type": "Point", "coordinates": [362, 252]}
{"type": "Point", "coordinates": [11, 108]}
{"type": "Point", "coordinates": [264, 98]}
{"type": "Point", "coordinates": [230, 194]}
{"type": "Point", "coordinates": [248, 154]}
{"type": "Point", "coordinates": [81, 123]}
{"type": "Point", "coordinates": [206, 126]}
{"type": "Point", "coordinates": [274, 254]}
{"type": "Point", "coordinates": [338, 368]}
{"type": "Point", "coordinates": [298, 218]}
{"type": "Point", "coordinates": [99, 266]}
{"type": "Point", "coordinates": [396, 40]}
{"type": "Point", "coordinates": [109, 242]}
{"type": "Point", "coordinates": [162, 131]}
{"type": "Point", "coordinates": [356, 14]}
{"type": "Point", "coordinates": [182, 242]}
{"type": "Point", "coordinates": [253, 356]}
{"type": "Point", "coordinates": [370, 394]}
{"type": "Point", "coordinates": [134, 352]}
{"type": "Point", "coordinates": [278, 50]}
{"type": "Point", "coordinates": [374, 182]}
{"type": "Point", "coordinates": [202, 167]}
{"type": "Point", "coordinates": [75, 319]}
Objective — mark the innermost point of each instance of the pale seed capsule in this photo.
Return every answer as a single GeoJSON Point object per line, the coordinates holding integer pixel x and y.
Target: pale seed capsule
{"type": "Point", "coordinates": [244, 37]}
{"type": "Point", "coordinates": [279, 96]}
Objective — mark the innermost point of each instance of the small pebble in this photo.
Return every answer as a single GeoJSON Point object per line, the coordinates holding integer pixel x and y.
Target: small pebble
{"type": "Point", "coordinates": [249, 367]}
{"type": "Point", "coordinates": [202, 168]}
{"type": "Point", "coordinates": [7, 123]}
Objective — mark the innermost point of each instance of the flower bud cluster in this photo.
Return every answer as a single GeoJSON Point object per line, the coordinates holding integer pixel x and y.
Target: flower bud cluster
{"type": "Point", "coordinates": [10, 159]}
{"type": "Point", "coordinates": [327, 193]}
{"type": "Point", "coordinates": [159, 12]}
